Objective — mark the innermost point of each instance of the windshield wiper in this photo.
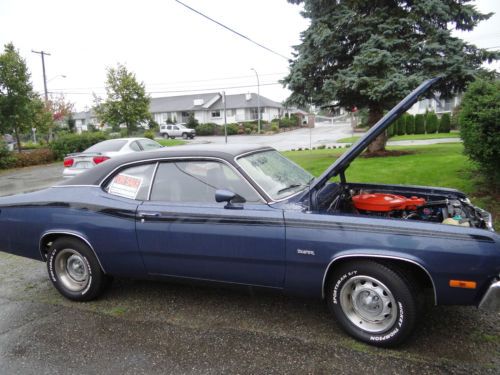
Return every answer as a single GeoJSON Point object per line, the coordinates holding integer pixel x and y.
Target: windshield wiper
{"type": "Point", "coordinates": [289, 187]}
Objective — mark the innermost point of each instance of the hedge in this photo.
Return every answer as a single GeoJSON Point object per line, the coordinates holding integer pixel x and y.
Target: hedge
{"type": "Point", "coordinates": [70, 143]}
{"type": "Point", "coordinates": [431, 123]}
{"type": "Point", "coordinates": [410, 124]}
{"type": "Point", "coordinates": [400, 126]}
{"type": "Point", "coordinates": [445, 123]}
{"type": "Point", "coordinates": [419, 124]}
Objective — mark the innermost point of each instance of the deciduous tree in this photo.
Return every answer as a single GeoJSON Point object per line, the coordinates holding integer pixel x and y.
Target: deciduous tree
{"type": "Point", "coordinates": [371, 53]}
{"type": "Point", "coordinates": [126, 101]}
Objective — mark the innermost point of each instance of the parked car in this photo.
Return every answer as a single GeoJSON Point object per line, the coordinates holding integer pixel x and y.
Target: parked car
{"type": "Point", "coordinates": [177, 130]}
{"type": "Point", "coordinates": [246, 215]}
{"type": "Point", "coordinates": [77, 163]}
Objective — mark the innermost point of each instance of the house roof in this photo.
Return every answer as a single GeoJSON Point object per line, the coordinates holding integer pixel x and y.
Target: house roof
{"type": "Point", "coordinates": [208, 101]}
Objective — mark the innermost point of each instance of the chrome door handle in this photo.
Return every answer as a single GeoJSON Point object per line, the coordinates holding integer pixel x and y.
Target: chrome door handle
{"type": "Point", "coordinates": [148, 214]}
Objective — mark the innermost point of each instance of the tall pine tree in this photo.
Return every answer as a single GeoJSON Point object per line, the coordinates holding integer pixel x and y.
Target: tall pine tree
{"type": "Point", "coordinates": [371, 53]}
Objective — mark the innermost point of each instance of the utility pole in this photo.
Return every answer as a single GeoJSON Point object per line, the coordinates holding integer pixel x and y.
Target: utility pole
{"type": "Point", "coordinates": [225, 117]}
{"type": "Point", "coordinates": [258, 100]}
{"type": "Point", "coordinates": [43, 53]}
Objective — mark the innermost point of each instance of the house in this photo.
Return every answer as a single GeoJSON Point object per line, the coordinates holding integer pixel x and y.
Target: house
{"type": "Point", "coordinates": [210, 108]}
{"type": "Point", "coordinates": [439, 106]}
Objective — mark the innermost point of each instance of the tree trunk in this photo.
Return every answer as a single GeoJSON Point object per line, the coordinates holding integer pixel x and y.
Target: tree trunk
{"type": "Point", "coordinates": [18, 140]}
{"type": "Point", "coordinates": [374, 114]}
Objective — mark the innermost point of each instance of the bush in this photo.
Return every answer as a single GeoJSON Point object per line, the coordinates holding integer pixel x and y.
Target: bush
{"type": "Point", "coordinates": [410, 124]}
{"type": "Point", "coordinates": [391, 130]}
{"type": "Point", "coordinates": [232, 129]}
{"type": "Point", "coordinates": [7, 159]}
{"type": "Point", "coordinates": [36, 157]}
{"type": "Point", "coordinates": [192, 122]}
{"type": "Point", "coordinates": [205, 129]}
{"type": "Point", "coordinates": [400, 126]}
{"type": "Point", "coordinates": [149, 134]}
{"type": "Point", "coordinates": [419, 124]}
{"type": "Point", "coordinates": [275, 128]}
{"type": "Point", "coordinates": [431, 123]}
{"type": "Point", "coordinates": [444, 123]}
{"type": "Point", "coordinates": [70, 143]}
{"type": "Point", "coordinates": [480, 128]}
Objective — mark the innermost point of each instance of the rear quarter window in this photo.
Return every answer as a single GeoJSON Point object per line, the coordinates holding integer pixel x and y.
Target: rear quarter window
{"type": "Point", "coordinates": [132, 182]}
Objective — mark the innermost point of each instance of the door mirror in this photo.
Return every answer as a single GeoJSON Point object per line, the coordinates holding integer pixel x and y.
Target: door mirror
{"type": "Point", "coordinates": [231, 198]}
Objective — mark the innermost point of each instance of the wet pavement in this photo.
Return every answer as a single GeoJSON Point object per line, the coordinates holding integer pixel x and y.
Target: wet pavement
{"type": "Point", "coordinates": [146, 327]}
{"type": "Point", "coordinates": [24, 180]}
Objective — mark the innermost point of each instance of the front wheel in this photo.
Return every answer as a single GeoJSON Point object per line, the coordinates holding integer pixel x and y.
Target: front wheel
{"type": "Point", "coordinates": [184, 136]}
{"type": "Point", "coordinates": [372, 302]}
{"type": "Point", "coordinates": [74, 270]}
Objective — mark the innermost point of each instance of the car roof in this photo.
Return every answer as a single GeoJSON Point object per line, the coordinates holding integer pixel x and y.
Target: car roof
{"type": "Point", "coordinates": [95, 175]}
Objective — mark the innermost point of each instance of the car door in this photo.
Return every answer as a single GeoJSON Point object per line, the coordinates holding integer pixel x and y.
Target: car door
{"type": "Point", "coordinates": [183, 232]}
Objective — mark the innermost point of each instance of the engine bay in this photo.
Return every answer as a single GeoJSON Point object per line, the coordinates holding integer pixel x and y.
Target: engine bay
{"type": "Point", "coordinates": [412, 203]}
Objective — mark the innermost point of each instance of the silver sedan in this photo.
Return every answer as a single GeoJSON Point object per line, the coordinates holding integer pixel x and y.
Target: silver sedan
{"type": "Point", "coordinates": [77, 163]}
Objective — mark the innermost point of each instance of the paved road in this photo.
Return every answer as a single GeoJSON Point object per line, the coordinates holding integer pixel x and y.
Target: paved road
{"type": "Point", "coordinates": [145, 327]}
{"type": "Point", "coordinates": [24, 180]}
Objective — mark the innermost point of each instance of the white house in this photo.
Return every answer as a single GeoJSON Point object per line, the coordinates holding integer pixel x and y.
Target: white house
{"type": "Point", "coordinates": [439, 106]}
{"type": "Point", "coordinates": [210, 108]}
{"type": "Point", "coordinates": [205, 108]}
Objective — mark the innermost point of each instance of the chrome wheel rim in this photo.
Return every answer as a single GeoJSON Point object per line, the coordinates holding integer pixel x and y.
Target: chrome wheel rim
{"type": "Point", "coordinates": [368, 304]}
{"type": "Point", "coordinates": [72, 270]}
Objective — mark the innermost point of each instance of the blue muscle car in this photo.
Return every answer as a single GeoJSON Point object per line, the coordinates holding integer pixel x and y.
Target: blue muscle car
{"type": "Point", "coordinates": [244, 214]}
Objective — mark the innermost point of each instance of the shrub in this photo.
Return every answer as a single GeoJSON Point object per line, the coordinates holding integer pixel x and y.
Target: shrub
{"type": "Point", "coordinates": [123, 133]}
{"type": "Point", "coordinates": [419, 124]}
{"type": "Point", "coordinates": [275, 128]}
{"type": "Point", "coordinates": [321, 147]}
{"type": "Point", "coordinates": [410, 124]}
{"type": "Point", "coordinates": [431, 123]}
{"type": "Point", "coordinates": [149, 134]}
{"type": "Point", "coordinates": [36, 157]}
{"type": "Point", "coordinates": [232, 129]}
{"type": "Point", "coordinates": [192, 122]}
{"type": "Point", "coordinates": [70, 143]}
{"type": "Point", "coordinates": [400, 126]}
{"type": "Point", "coordinates": [7, 158]}
{"type": "Point", "coordinates": [391, 130]}
{"type": "Point", "coordinates": [444, 123]}
{"type": "Point", "coordinates": [205, 129]}
{"type": "Point", "coordinates": [480, 128]}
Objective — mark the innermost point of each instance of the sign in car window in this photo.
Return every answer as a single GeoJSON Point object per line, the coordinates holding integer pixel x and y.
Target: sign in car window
{"type": "Point", "coordinates": [125, 185]}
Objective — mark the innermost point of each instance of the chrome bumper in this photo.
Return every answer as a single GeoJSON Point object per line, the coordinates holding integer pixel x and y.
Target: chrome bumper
{"type": "Point", "coordinates": [491, 299]}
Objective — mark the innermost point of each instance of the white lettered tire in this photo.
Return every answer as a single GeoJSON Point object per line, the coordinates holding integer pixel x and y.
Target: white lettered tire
{"type": "Point", "coordinates": [74, 270]}
{"type": "Point", "coordinates": [372, 302]}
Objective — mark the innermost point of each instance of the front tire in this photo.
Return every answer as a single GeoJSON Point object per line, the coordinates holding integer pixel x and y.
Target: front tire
{"type": "Point", "coordinates": [75, 271]}
{"type": "Point", "coordinates": [165, 136]}
{"type": "Point", "coordinates": [184, 136]}
{"type": "Point", "coordinates": [372, 302]}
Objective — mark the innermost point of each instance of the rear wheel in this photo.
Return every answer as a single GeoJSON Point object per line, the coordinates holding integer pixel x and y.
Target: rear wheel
{"type": "Point", "coordinates": [372, 302]}
{"type": "Point", "coordinates": [75, 271]}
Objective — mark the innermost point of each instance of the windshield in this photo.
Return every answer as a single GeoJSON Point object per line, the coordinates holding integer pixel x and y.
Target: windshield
{"type": "Point", "coordinates": [275, 174]}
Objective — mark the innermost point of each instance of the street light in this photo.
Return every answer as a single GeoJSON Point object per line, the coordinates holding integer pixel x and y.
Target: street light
{"type": "Point", "coordinates": [258, 100]}
{"type": "Point", "coordinates": [57, 76]}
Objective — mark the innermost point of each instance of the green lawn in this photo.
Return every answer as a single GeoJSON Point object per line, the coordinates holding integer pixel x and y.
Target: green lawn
{"type": "Point", "coordinates": [408, 137]}
{"type": "Point", "coordinates": [171, 142]}
{"type": "Point", "coordinates": [442, 165]}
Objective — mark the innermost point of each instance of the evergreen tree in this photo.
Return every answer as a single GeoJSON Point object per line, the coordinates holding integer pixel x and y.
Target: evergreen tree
{"type": "Point", "coordinates": [431, 123]}
{"type": "Point", "coordinates": [371, 53]}
{"type": "Point", "coordinates": [444, 123]}
{"type": "Point", "coordinates": [410, 124]}
{"type": "Point", "coordinates": [419, 124]}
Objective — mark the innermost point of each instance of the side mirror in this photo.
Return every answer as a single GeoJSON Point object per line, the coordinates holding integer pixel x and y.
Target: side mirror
{"type": "Point", "coordinates": [229, 197]}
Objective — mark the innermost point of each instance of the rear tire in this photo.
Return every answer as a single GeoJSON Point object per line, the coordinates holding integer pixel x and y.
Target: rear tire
{"type": "Point", "coordinates": [372, 302]}
{"type": "Point", "coordinates": [75, 271]}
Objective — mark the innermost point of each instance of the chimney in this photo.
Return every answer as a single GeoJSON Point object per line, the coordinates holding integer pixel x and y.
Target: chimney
{"type": "Point", "coordinates": [198, 102]}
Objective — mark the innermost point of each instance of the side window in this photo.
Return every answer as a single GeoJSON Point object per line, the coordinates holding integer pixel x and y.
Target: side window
{"type": "Point", "coordinates": [135, 146]}
{"type": "Point", "coordinates": [133, 182]}
{"type": "Point", "coordinates": [148, 144]}
{"type": "Point", "coordinates": [169, 127]}
{"type": "Point", "coordinates": [176, 127]}
{"type": "Point", "coordinates": [197, 181]}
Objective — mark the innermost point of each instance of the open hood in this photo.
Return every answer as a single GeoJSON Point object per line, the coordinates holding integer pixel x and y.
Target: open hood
{"type": "Point", "coordinates": [357, 148]}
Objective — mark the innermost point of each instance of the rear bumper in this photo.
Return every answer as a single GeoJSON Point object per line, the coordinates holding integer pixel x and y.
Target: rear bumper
{"type": "Point", "coordinates": [491, 299]}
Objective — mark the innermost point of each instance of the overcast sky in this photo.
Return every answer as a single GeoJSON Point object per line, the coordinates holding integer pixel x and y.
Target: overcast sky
{"type": "Point", "coordinates": [170, 48]}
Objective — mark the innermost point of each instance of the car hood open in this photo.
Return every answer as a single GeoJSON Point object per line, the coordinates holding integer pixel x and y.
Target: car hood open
{"type": "Point", "coordinates": [357, 148]}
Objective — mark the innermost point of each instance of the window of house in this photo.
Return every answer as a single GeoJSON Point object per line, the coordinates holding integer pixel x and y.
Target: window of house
{"type": "Point", "coordinates": [132, 182]}
{"type": "Point", "coordinates": [215, 114]}
{"type": "Point", "coordinates": [197, 181]}
{"type": "Point", "coordinates": [230, 112]}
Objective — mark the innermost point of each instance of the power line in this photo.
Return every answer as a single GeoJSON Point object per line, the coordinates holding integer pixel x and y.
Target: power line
{"type": "Point", "coordinates": [173, 91]}
{"type": "Point", "coordinates": [233, 31]}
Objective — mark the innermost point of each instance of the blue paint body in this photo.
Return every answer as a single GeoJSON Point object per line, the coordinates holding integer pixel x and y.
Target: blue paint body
{"type": "Point", "coordinates": [258, 245]}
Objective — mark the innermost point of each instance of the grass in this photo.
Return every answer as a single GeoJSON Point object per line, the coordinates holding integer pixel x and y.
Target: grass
{"type": "Point", "coordinates": [171, 142]}
{"type": "Point", "coordinates": [442, 165]}
{"type": "Point", "coordinates": [407, 137]}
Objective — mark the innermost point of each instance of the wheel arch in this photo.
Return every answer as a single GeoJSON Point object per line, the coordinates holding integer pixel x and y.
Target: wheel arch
{"type": "Point", "coordinates": [50, 236]}
{"type": "Point", "coordinates": [420, 271]}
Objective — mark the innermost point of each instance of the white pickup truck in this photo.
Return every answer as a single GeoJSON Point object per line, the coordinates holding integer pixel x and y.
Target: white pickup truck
{"type": "Point", "coordinates": [177, 130]}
